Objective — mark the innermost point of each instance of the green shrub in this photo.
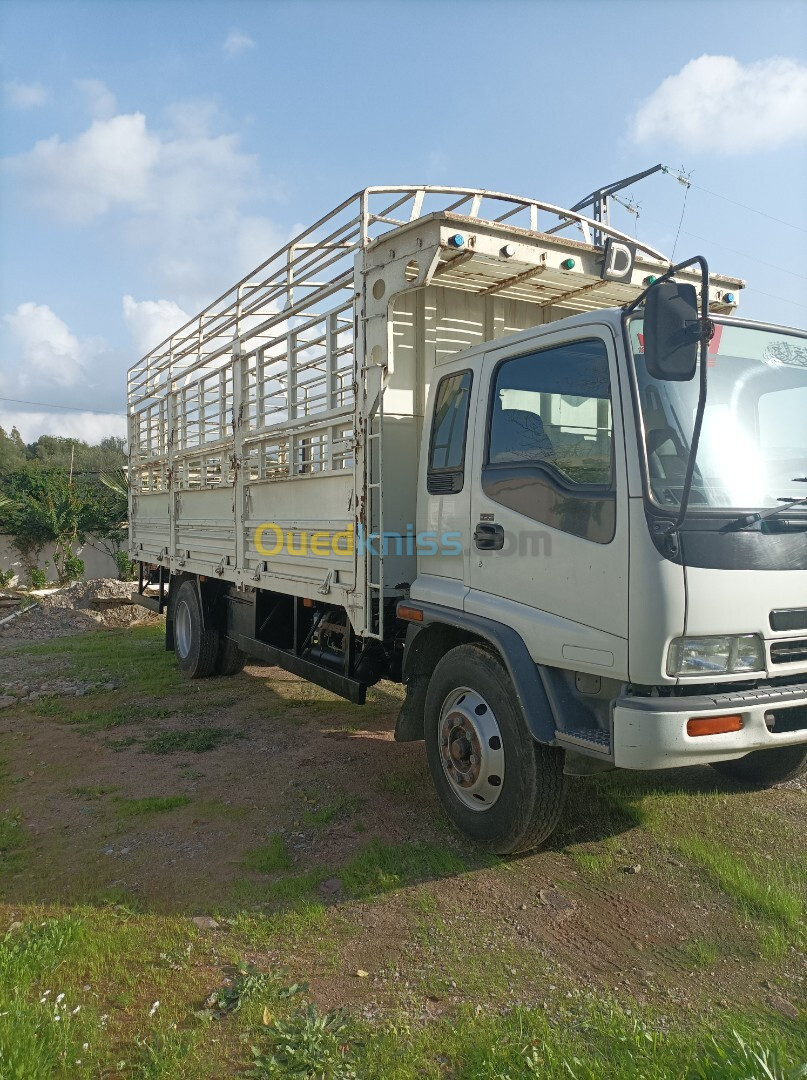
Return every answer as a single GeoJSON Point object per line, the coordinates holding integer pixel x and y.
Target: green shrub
{"type": "Point", "coordinates": [126, 568]}
{"type": "Point", "coordinates": [73, 568]}
{"type": "Point", "coordinates": [38, 578]}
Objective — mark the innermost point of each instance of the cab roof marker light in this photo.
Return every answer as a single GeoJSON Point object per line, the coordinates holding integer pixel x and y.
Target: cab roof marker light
{"type": "Point", "coordinates": [456, 240]}
{"type": "Point", "coordinates": [730, 298]}
{"type": "Point", "coordinates": [568, 264]}
{"type": "Point", "coordinates": [650, 280]}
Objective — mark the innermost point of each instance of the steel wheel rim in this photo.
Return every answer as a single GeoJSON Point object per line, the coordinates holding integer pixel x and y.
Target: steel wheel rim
{"type": "Point", "coordinates": [471, 749]}
{"type": "Point", "coordinates": [182, 629]}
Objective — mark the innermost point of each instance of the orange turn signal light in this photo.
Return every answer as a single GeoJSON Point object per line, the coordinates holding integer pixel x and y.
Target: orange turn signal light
{"type": "Point", "coordinates": [714, 725]}
{"type": "Point", "coordinates": [411, 614]}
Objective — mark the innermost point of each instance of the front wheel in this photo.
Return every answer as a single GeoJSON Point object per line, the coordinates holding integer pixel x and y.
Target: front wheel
{"type": "Point", "coordinates": [499, 787]}
{"type": "Point", "coordinates": [766, 767]}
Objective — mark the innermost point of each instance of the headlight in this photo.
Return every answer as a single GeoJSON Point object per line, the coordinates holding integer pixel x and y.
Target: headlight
{"type": "Point", "coordinates": [716, 655]}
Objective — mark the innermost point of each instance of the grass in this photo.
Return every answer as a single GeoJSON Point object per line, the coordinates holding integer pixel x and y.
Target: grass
{"type": "Point", "coordinates": [132, 658]}
{"type": "Point", "coordinates": [378, 869]}
{"type": "Point", "coordinates": [758, 895]}
{"type": "Point", "coordinates": [588, 1040]}
{"type": "Point", "coordinates": [154, 804]}
{"type": "Point", "coordinates": [344, 806]}
{"type": "Point", "coordinates": [12, 840]}
{"type": "Point", "coordinates": [38, 1031]}
{"type": "Point", "coordinates": [700, 952]}
{"type": "Point", "coordinates": [197, 741]}
{"type": "Point", "coordinates": [269, 858]}
{"type": "Point", "coordinates": [92, 793]}
{"type": "Point", "coordinates": [508, 1009]}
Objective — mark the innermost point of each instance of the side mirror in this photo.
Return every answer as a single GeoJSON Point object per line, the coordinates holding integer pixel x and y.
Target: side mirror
{"type": "Point", "coordinates": [671, 331]}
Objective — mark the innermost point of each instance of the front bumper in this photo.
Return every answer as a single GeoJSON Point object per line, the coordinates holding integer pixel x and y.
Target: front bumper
{"type": "Point", "coordinates": [651, 732]}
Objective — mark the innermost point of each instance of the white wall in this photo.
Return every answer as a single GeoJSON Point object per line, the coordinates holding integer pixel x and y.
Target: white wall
{"type": "Point", "coordinates": [97, 562]}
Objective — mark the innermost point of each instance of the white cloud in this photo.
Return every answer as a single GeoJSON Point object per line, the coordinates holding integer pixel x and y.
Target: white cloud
{"type": "Point", "coordinates": [49, 354]}
{"type": "Point", "coordinates": [236, 43]}
{"type": "Point", "coordinates": [100, 99]}
{"type": "Point", "coordinates": [182, 196]}
{"type": "Point", "coordinates": [21, 95]}
{"type": "Point", "coordinates": [716, 103]}
{"type": "Point", "coordinates": [43, 361]}
{"type": "Point", "coordinates": [91, 427]}
{"type": "Point", "coordinates": [109, 164]}
{"type": "Point", "coordinates": [151, 321]}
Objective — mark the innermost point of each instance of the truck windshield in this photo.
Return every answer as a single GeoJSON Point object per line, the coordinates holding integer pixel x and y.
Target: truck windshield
{"type": "Point", "coordinates": [753, 445]}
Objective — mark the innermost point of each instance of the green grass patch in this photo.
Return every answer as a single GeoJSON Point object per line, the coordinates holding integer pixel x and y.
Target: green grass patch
{"type": "Point", "coordinates": [134, 658]}
{"type": "Point", "coordinates": [343, 807]}
{"type": "Point", "coordinates": [270, 857]}
{"type": "Point", "coordinates": [393, 784]}
{"type": "Point", "coordinates": [378, 869]}
{"type": "Point", "coordinates": [12, 840]}
{"type": "Point", "coordinates": [774, 941]}
{"type": "Point", "coordinates": [91, 794]}
{"type": "Point", "coordinates": [154, 804]}
{"type": "Point", "coordinates": [700, 952]}
{"type": "Point", "coordinates": [219, 808]}
{"type": "Point", "coordinates": [586, 1041]}
{"type": "Point", "coordinates": [757, 894]}
{"type": "Point", "coordinates": [122, 744]}
{"type": "Point", "coordinates": [197, 741]}
{"type": "Point", "coordinates": [39, 1031]}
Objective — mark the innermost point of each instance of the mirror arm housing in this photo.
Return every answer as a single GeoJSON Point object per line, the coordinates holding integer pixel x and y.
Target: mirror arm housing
{"type": "Point", "coordinates": [703, 332]}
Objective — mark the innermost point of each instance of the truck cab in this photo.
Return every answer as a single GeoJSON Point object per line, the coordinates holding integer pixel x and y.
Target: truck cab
{"type": "Point", "coordinates": [567, 461]}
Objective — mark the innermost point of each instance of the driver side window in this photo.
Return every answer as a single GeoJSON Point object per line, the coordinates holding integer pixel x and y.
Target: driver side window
{"type": "Point", "coordinates": [550, 439]}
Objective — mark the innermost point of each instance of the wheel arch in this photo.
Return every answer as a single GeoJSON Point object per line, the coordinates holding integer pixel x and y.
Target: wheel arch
{"type": "Point", "coordinates": [443, 629]}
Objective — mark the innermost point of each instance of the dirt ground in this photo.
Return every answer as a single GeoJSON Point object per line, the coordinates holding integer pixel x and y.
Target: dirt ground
{"type": "Point", "coordinates": [136, 788]}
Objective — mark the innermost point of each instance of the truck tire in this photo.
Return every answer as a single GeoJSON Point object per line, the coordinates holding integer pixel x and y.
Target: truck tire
{"type": "Point", "coordinates": [499, 787]}
{"type": "Point", "coordinates": [230, 659]}
{"type": "Point", "coordinates": [766, 767]}
{"type": "Point", "coordinates": [196, 647]}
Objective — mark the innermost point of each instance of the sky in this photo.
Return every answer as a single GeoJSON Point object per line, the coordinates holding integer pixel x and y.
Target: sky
{"type": "Point", "coordinates": [154, 152]}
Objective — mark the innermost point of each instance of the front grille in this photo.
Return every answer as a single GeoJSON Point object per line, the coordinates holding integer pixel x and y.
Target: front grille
{"type": "Point", "coordinates": [789, 652]}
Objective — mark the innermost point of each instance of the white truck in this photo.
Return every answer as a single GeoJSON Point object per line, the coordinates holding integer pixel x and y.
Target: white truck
{"type": "Point", "coordinates": [550, 483]}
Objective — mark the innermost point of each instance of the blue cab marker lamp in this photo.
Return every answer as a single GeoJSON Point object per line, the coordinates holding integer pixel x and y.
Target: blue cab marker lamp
{"type": "Point", "coordinates": [729, 297]}
{"type": "Point", "coordinates": [456, 240]}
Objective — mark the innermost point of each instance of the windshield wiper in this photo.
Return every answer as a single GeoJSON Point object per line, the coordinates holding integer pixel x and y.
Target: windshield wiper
{"type": "Point", "coordinates": [751, 519]}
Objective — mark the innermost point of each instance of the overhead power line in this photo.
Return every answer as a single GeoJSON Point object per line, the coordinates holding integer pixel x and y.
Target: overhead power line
{"type": "Point", "coordinates": [68, 408]}
{"type": "Point", "coordinates": [734, 202]}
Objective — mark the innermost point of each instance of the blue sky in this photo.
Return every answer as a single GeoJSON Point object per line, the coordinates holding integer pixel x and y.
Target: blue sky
{"type": "Point", "coordinates": [155, 152]}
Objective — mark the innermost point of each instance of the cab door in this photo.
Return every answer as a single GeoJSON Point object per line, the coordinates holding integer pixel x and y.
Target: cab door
{"type": "Point", "coordinates": [549, 511]}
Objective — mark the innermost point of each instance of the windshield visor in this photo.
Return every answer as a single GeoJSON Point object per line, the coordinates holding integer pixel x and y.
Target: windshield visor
{"type": "Point", "coordinates": [753, 445]}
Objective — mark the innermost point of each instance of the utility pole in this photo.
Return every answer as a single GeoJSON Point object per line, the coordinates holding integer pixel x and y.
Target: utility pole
{"type": "Point", "coordinates": [598, 200]}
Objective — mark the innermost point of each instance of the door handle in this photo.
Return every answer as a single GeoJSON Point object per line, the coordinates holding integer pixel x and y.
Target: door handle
{"type": "Point", "coordinates": [489, 537]}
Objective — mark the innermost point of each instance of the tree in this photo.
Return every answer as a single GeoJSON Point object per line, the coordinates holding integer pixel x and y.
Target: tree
{"type": "Point", "coordinates": [46, 506]}
{"type": "Point", "coordinates": [12, 451]}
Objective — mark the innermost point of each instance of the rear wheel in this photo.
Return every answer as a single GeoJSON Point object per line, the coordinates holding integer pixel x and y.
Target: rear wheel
{"type": "Point", "coordinates": [766, 767]}
{"type": "Point", "coordinates": [498, 786]}
{"type": "Point", "coordinates": [195, 645]}
{"type": "Point", "coordinates": [230, 659]}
